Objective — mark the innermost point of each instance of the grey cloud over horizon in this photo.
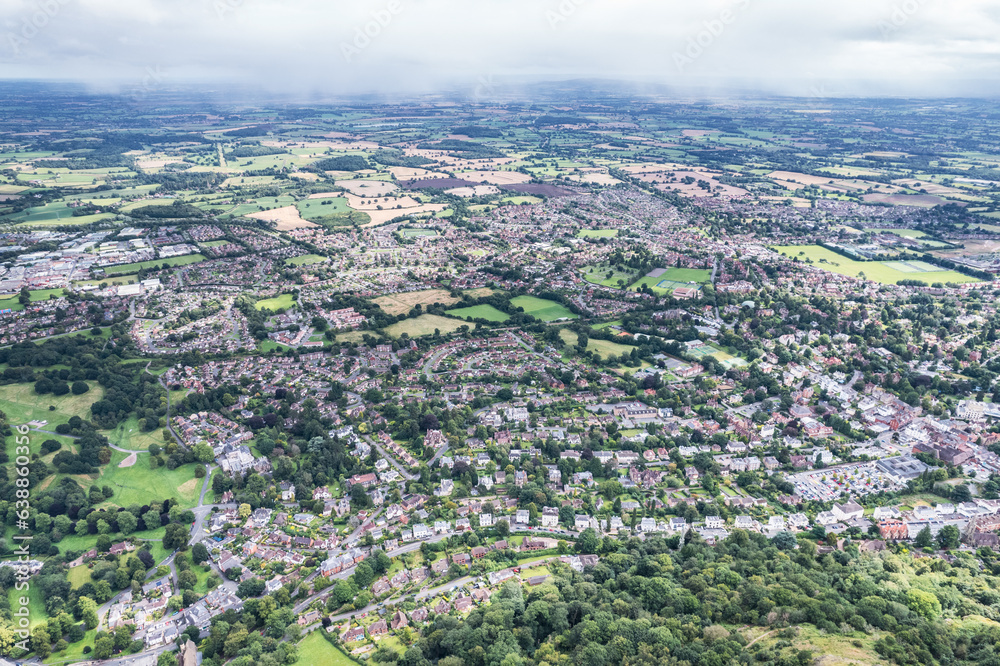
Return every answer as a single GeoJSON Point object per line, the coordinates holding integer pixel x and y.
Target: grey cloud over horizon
{"type": "Point", "coordinates": [849, 47]}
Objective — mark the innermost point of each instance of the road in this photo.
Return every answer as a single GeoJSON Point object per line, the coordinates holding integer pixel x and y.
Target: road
{"type": "Point", "coordinates": [170, 426]}
{"type": "Point", "coordinates": [392, 459]}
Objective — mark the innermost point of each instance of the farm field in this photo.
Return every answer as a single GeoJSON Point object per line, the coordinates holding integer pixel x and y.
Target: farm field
{"type": "Point", "coordinates": [480, 312]}
{"type": "Point", "coordinates": [881, 272]}
{"type": "Point", "coordinates": [282, 302]}
{"type": "Point", "coordinates": [543, 309]}
{"type": "Point", "coordinates": [397, 304]}
{"type": "Point", "coordinates": [424, 325]}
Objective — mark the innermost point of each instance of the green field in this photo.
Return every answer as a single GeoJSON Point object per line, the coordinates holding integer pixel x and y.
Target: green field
{"type": "Point", "coordinates": [905, 233]}
{"type": "Point", "coordinates": [673, 278]}
{"type": "Point", "coordinates": [487, 312]}
{"type": "Point", "coordinates": [597, 233]}
{"type": "Point", "coordinates": [604, 348]}
{"type": "Point", "coordinates": [128, 435]}
{"type": "Point", "coordinates": [282, 302]}
{"type": "Point", "coordinates": [417, 233]}
{"type": "Point", "coordinates": [305, 260]}
{"type": "Point", "coordinates": [424, 325]}
{"type": "Point", "coordinates": [139, 484]}
{"type": "Point", "coordinates": [314, 649]}
{"type": "Point", "coordinates": [153, 263]}
{"type": "Point", "coordinates": [37, 295]}
{"type": "Point", "coordinates": [606, 276]}
{"type": "Point", "coordinates": [542, 309]}
{"type": "Point", "coordinates": [21, 404]}
{"type": "Point", "coordinates": [883, 272]}
{"type": "Point", "coordinates": [315, 210]}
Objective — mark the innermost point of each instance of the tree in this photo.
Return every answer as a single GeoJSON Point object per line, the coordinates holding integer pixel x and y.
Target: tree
{"type": "Point", "coordinates": [784, 541]}
{"type": "Point", "coordinates": [244, 511]}
{"type": "Point", "coordinates": [151, 519]}
{"type": "Point", "coordinates": [127, 522]}
{"type": "Point", "coordinates": [41, 642]}
{"type": "Point", "coordinates": [79, 388]}
{"type": "Point", "coordinates": [89, 608]}
{"type": "Point", "coordinates": [924, 538]}
{"type": "Point", "coordinates": [588, 542]}
{"type": "Point", "coordinates": [166, 659]}
{"type": "Point", "coordinates": [104, 647]}
{"type": "Point", "coordinates": [203, 453]}
{"type": "Point", "coordinates": [199, 553]}
{"type": "Point", "coordinates": [949, 537]}
{"type": "Point", "coordinates": [923, 603]}
{"type": "Point", "coordinates": [502, 528]}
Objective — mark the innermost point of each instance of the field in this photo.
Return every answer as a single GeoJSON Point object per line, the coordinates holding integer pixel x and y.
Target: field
{"type": "Point", "coordinates": [154, 263]}
{"type": "Point", "coordinates": [542, 309]}
{"type": "Point", "coordinates": [22, 404]}
{"type": "Point", "coordinates": [397, 304]}
{"type": "Point", "coordinates": [37, 295]}
{"type": "Point", "coordinates": [305, 260]}
{"type": "Point", "coordinates": [424, 325]}
{"type": "Point", "coordinates": [883, 272]}
{"type": "Point", "coordinates": [139, 483]}
{"type": "Point", "coordinates": [597, 233]}
{"type": "Point", "coordinates": [606, 276]}
{"type": "Point", "coordinates": [604, 348]}
{"type": "Point", "coordinates": [314, 649]}
{"type": "Point", "coordinates": [282, 302]}
{"type": "Point", "coordinates": [480, 312]}
{"type": "Point", "coordinates": [128, 435]}
{"type": "Point", "coordinates": [720, 354]}
{"type": "Point", "coordinates": [417, 233]}
{"type": "Point", "coordinates": [666, 280]}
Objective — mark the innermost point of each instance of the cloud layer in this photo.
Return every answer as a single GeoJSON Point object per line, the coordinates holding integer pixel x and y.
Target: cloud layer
{"type": "Point", "coordinates": [330, 47]}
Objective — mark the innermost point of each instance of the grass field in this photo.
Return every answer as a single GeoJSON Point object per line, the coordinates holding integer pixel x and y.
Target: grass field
{"type": "Point", "coordinates": [605, 275]}
{"type": "Point", "coordinates": [305, 260]}
{"type": "Point", "coordinates": [37, 295]}
{"type": "Point", "coordinates": [129, 435]}
{"type": "Point", "coordinates": [139, 483]}
{"type": "Point", "coordinates": [542, 309]}
{"type": "Point", "coordinates": [271, 345]}
{"type": "Point", "coordinates": [883, 272]}
{"type": "Point", "coordinates": [21, 404]}
{"type": "Point", "coordinates": [36, 605]}
{"type": "Point", "coordinates": [314, 649]}
{"type": "Point", "coordinates": [77, 576]}
{"type": "Point", "coordinates": [417, 233]}
{"type": "Point", "coordinates": [424, 325]}
{"type": "Point", "coordinates": [597, 233]}
{"type": "Point", "coordinates": [122, 269]}
{"type": "Point", "coordinates": [668, 280]}
{"type": "Point", "coordinates": [397, 304]}
{"type": "Point", "coordinates": [905, 233]}
{"type": "Point", "coordinates": [282, 302]}
{"type": "Point", "coordinates": [604, 348]}
{"type": "Point", "coordinates": [487, 312]}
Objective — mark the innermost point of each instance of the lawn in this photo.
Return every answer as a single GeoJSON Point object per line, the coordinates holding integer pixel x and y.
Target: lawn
{"type": "Point", "coordinates": [77, 576]}
{"type": "Point", "coordinates": [424, 325]}
{"type": "Point", "coordinates": [882, 272]}
{"type": "Point", "coordinates": [140, 484]}
{"type": "Point", "coordinates": [271, 345]}
{"type": "Point", "coordinates": [699, 275]}
{"type": "Point", "coordinates": [417, 233]}
{"type": "Point", "coordinates": [129, 435]}
{"type": "Point", "coordinates": [305, 260]}
{"type": "Point", "coordinates": [542, 309]}
{"type": "Point", "coordinates": [487, 312]}
{"type": "Point", "coordinates": [672, 278]}
{"type": "Point", "coordinates": [597, 233]}
{"type": "Point", "coordinates": [154, 263]}
{"type": "Point", "coordinates": [605, 348]}
{"type": "Point", "coordinates": [314, 649]}
{"type": "Point", "coordinates": [36, 606]}
{"type": "Point", "coordinates": [22, 404]}
{"type": "Point", "coordinates": [606, 276]}
{"type": "Point", "coordinates": [282, 302]}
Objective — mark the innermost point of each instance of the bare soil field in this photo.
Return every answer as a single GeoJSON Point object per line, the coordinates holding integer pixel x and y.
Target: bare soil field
{"type": "Point", "coordinates": [534, 188]}
{"type": "Point", "coordinates": [397, 304]}
{"type": "Point", "coordinates": [477, 191]}
{"type": "Point", "coordinates": [286, 218]}
{"type": "Point", "coordinates": [441, 183]}
{"type": "Point", "coordinates": [496, 177]}
{"type": "Point", "coordinates": [383, 216]}
{"type": "Point", "coordinates": [692, 189]}
{"type": "Point", "coordinates": [412, 173]}
{"type": "Point", "coordinates": [595, 178]}
{"type": "Point", "coordinates": [918, 200]}
{"type": "Point", "coordinates": [971, 249]}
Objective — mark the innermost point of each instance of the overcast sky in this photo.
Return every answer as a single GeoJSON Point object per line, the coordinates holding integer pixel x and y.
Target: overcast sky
{"type": "Point", "coordinates": [797, 47]}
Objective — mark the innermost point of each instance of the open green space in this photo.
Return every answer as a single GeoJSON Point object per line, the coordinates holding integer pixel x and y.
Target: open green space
{"type": "Point", "coordinates": [597, 233]}
{"type": "Point", "coordinates": [139, 484]}
{"type": "Point", "coordinates": [128, 435]}
{"type": "Point", "coordinates": [21, 404]}
{"type": "Point", "coordinates": [12, 303]}
{"type": "Point", "coordinates": [487, 312]}
{"type": "Point", "coordinates": [282, 302]}
{"type": "Point", "coordinates": [305, 260]}
{"type": "Point", "coordinates": [879, 271]}
{"type": "Point", "coordinates": [154, 263]}
{"type": "Point", "coordinates": [606, 275]}
{"type": "Point", "coordinates": [604, 348]}
{"type": "Point", "coordinates": [425, 324]}
{"type": "Point", "coordinates": [543, 309]}
{"type": "Point", "coordinates": [417, 233]}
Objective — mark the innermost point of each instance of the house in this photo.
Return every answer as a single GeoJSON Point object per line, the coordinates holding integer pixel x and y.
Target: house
{"type": "Point", "coordinates": [848, 510]}
{"type": "Point", "coordinates": [893, 529]}
{"type": "Point", "coordinates": [379, 628]}
{"type": "Point", "coordinates": [581, 522]}
{"type": "Point", "coordinates": [714, 522]}
{"type": "Point", "coordinates": [550, 516]}
{"type": "Point", "coordinates": [399, 620]}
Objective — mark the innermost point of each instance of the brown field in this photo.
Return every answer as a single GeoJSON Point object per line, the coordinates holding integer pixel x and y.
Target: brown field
{"type": "Point", "coordinates": [372, 203]}
{"type": "Point", "coordinates": [937, 188]}
{"type": "Point", "coordinates": [367, 188]}
{"type": "Point", "coordinates": [412, 173]}
{"type": "Point", "coordinates": [476, 191]}
{"type": "Point", "coordinates": [285, 218]}
{"type": "Point", "coordinates": [129, 460]}
{"type": "Point", "coordinates": [397, 304]}
{"type": "Point", "coordinates": [479, 293]}
{"type": "Point", "coordinates": [595, 178]}
{"type": "Point", "coordinates": [972, 248]}
{"type": "Point", "coordinates": [918, 200]}
{"type": "Point", "coordinates": [495, 177]}
{"type": "Point", "coordinates": [692, 190]}
{"type": "Point", "coordinates": [304, 175]}
{"type": "Point", "coordinates": [383, 216]}
{"type": "Point", "coordinates": [156, 164]}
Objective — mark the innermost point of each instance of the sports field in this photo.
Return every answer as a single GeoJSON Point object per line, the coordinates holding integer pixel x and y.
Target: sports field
{"type": "Point", "coordinates": [417, 233]}
{"type": "Point", "coordinates": [597, 233]}
{"type": "Point", "coordinates": [883, 272]}
{"type": "Point", "coordinates": [282, 302]}
{"type": "Point", "coordinates": [487, 312]}
{"type": "Point", "coordinates": [725, 358]}
{"type": "Point", "coordinates": [305, 260]}
{"type": "Point", "coordinates": [665, 280]}
{"type": "Point", "coordinates": [542, 309]}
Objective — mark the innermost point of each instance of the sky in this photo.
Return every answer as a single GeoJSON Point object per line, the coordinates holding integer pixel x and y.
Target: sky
{"type": "Point", "coordinates": [479, 48]}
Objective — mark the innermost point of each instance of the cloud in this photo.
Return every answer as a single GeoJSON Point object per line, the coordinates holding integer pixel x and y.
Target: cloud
{"type": "Point", "coordinates": [916, 47]}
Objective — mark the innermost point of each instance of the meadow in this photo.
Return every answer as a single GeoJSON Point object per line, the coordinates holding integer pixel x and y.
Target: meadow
{"type": "Point", "coordinates": [606, 275]}
{"type": "Point", "coordinates": [305, 260]}
{"type": "Point", "coordinates": [597, 233]}
{"type": "Point", "coordinates": [282, 302]}
{"type": "Point", "coordinates": [21, 404]}
{"type": "Point", "coordinates": [883, 272]}
{"type": "Point", "coordinates": [424, 325]}
{"type": "Point", "coordinates": [12, 303]}
{"type": "Point", "coordinates": [487, 312]}
{"type": "Point", "coordinates": [604, 348]}
{"type": "Point", "coordinates": [154, 263]}
{"type": "Point", "coordinates": [397, 304]}
{"type": "Point", "coordinates": [542, 309]}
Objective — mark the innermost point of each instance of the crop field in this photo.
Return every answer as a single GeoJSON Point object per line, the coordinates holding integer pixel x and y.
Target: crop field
{"type": "Point", "coordinates": [424, 325]}
{"type": "Point", "coordinates": [397, 304]}
{"type": "Point", "coordinates": [879, 271]}
{"type": "Point", "coordinates": [543, 309]}
{"type": "Point", "coordinates": [282, 302]}
{"type": "Point", "coordinates": [487, 312]}
{"type": "Point", "coordinates": [597, 233]}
